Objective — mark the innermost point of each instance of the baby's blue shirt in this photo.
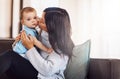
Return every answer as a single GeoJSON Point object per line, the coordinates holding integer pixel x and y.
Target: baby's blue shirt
{"type": "Point", "coordinates": [19, 48]}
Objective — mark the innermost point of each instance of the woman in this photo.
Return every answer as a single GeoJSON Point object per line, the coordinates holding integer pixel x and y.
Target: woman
{"type": "Point", "coordinates": [56, 23]}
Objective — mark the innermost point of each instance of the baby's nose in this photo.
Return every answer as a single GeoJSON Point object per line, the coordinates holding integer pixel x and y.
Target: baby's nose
{"type": "Point", "coordinates": [33, 20]}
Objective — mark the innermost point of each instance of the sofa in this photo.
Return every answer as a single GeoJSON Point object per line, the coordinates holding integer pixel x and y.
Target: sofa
{"type": "Point", "coordinates": [96, 68]}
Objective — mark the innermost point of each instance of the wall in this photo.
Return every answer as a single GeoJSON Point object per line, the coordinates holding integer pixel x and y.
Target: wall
{"type": "Point", "coordinates": [5, 17]}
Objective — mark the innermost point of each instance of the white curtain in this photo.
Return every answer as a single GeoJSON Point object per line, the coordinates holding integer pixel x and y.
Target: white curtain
{"type": "Point", "coordinates": [99, 20]}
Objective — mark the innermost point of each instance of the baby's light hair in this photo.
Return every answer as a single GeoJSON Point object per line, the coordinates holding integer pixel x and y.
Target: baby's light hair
{"type": "Point", "coordinates": [26, 10]}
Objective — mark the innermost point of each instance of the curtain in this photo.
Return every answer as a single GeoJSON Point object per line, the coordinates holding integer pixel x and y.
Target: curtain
{"type": "Point", "coordinates": [99, 20]}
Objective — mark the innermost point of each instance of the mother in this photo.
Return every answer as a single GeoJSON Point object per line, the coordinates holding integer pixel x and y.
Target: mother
{"type": "Point", "coordinates": [56, 23]}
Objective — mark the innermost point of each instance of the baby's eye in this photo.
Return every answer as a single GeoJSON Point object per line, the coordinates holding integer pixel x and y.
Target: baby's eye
{"type": "Point", "coordinates": [28, 19]}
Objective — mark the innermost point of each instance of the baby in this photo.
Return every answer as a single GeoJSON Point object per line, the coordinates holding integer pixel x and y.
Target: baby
{"type": "Point", "coordinates": [29, 21]}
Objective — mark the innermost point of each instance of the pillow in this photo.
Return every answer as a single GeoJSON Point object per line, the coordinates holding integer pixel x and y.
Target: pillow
{"type": "Point", "coordinates": [77, 67]}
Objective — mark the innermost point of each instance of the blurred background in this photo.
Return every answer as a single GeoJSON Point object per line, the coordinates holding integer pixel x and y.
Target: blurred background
{"type": "Point", "coordinates": [97, 20]}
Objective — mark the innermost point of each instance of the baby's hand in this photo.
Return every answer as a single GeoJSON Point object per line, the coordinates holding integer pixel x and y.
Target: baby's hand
{"type": "Point", "coordinates": [50, 50]}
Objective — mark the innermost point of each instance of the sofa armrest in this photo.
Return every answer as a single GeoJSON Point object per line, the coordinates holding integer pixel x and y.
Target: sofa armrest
{"type": "Point", "coordinates": [5, 44]}
{"type": "Point", "coordinates": [99, 69]}
{"type": "Point", "coordinates": [115, 68]}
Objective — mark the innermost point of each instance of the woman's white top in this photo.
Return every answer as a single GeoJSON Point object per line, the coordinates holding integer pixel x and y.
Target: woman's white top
{"type": "Point", "coordinates": [49, 66]}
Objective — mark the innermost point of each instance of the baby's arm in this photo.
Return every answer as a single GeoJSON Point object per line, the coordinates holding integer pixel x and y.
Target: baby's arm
{"type": "Point", "coordinates": [41, 46]}
{"type": "Point", "coordinates": [44, 48]}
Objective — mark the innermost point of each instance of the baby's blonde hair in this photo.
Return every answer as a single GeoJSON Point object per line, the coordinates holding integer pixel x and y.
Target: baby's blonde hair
{"type": "Point", "coordinates": [26, 10]}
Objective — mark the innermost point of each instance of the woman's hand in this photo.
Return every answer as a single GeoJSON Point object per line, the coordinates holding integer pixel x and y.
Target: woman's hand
{"type": "Point", "coordinates": [16, 40]}
{"type": "Point", "coordinates": [18, 37]}
{"type": "Point", "coordinates": [42, 24]}
{"type": "Point", "coordinates": [27, 41]}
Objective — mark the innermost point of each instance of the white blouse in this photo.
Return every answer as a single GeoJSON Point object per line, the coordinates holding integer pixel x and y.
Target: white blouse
{"type": "Point", "coordinates": [49, 66]}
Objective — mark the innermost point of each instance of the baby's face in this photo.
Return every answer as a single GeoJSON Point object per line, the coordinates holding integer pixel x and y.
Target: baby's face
{"type": "Point", "coordinates": [29, 19]}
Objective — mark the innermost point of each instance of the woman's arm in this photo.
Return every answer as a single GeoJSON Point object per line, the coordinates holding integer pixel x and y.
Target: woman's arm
{"type": "Point", "coordinates": [48, 66]}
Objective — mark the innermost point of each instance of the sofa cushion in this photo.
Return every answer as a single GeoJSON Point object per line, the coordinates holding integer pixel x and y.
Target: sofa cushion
{"type": "Point", "coordinates": [78, 66]}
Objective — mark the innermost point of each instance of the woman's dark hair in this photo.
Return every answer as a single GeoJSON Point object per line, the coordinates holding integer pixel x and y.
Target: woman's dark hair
{"type": "Point", "coordinates": [59, 29]}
